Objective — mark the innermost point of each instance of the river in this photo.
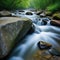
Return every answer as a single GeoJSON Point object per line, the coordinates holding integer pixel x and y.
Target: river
{"type": "Point", "coordinates": [47, 33]}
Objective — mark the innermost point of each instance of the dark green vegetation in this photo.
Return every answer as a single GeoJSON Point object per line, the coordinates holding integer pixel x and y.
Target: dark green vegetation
{"type": "Point", "coordinates": [13, 4]}
{"type": "Point", "coordinates": [51, 5]}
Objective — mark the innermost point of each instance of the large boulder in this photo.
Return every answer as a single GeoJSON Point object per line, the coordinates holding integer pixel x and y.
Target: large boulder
{"type": "Point", "coordinates": [5, 13]}
{"type": "Point", "coordinates": [10, 29]}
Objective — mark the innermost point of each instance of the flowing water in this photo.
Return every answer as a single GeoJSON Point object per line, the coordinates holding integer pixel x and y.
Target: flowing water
{"type": "Point", "coordinates": [47, 33]}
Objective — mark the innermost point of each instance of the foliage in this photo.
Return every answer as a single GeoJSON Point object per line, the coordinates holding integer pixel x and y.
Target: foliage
{"type": "Point", "coordinates": [37, 4]}
{"type": "Point", "coordinates": [45, 4]}
{"type": "Point", "coordinates": [13, 4]}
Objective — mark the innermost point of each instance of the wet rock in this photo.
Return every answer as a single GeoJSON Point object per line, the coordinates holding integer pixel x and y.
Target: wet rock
{"type": "Point", "coordinates": [39, 12]}
{"type": "Point", "coordinates": [44, 45]}
{"type": "Point", "coordinates": [29, 13]}
{"type": "Point", "coordinates": [12, 29]}
{"type": "Point", "coordinates": [44, 22]}
{"type": "Point", "coordinates": [56, 16]}
{"type": "Point", "coordinates": [42, 15]}
{"type": "Point", "coordinates": [5, 13]}
{"type": "Point", "coordinates": [55, 23]}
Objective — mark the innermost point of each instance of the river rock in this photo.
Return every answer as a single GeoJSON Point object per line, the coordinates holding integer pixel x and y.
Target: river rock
{"type": "Point", "coordinates": [48, 13]}
{"type": "Point", "coordinates": [29, 13]}
{"type": "Point", "coordinates": [5, 13]}
{"type": "Point", "coordinates": [55, 23]}
{"type": "Point", "coordinates": [12, 29]}
{"type": "Point", "coordinates": [39, 12]}
{"type": "Point", "coordinates": [44, 45]}
{"type": "Point", "coordinates": [42, 15]}
{"type": "Point", "coordinates": [44, 22]}
{"type": "Point", "coordinates": [56, 16]}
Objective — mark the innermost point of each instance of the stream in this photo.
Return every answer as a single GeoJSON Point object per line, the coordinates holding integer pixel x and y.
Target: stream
{"type": "Point", "coordinates": [47, 33]}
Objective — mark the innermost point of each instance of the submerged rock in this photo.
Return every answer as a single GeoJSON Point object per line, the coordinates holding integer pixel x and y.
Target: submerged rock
{"type": "Point", "coordinates": [5, 13]}
{"type": "Point", "coordinates": [29, 13]}
{"type": "Point", "coordinates": [55, 23]}
{"type": "Point", "coordinates": [12, 29]}
{"type": "Point", "coordinates": [44, 45]}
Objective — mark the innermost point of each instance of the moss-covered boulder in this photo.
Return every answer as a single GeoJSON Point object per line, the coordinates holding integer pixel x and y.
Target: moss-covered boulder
{"type": "Point", "coordinates": [56, 16]}
{"type": "Point", "coordinates": [10, 29]}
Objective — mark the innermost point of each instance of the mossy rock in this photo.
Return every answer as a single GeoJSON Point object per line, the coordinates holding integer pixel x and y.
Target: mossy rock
{"type": "Point", "coordinates": [56, 16]}
{"type": "Point", "coordinates": [12, 29]}
{"type": "Point", "coordinates": [48, 13]}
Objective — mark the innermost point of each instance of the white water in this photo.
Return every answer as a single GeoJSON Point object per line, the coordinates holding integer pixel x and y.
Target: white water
{"type": "Point", "coordinates": [47, 33]}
